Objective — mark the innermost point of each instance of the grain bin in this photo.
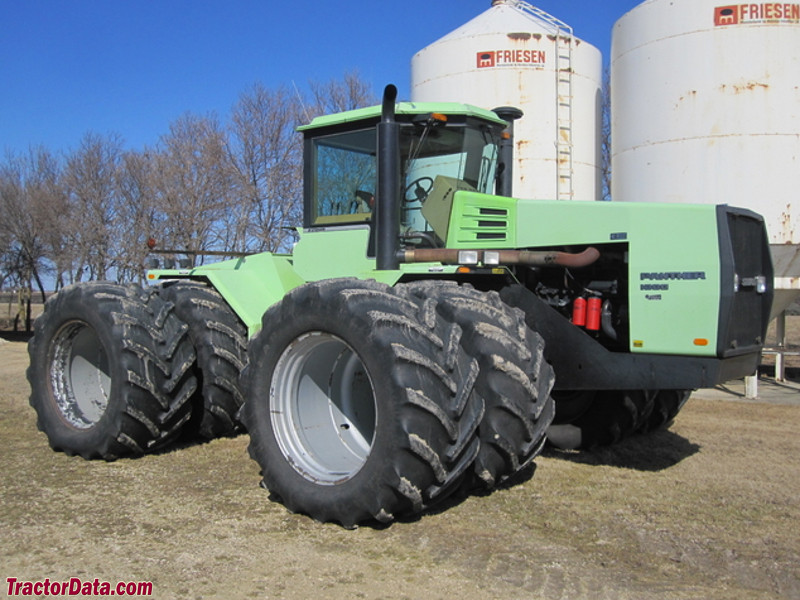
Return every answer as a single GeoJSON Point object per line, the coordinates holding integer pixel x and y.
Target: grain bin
{"type": "Point", "coordinates": [515, 54]}
{"type": "Point", "coordinates": [705, 100]}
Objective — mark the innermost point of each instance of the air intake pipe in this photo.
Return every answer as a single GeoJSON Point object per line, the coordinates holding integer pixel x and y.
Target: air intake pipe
{"type": "Point", "coordinates": [505, 171]}
{"type": "Point", "coordinates": [387, 205]}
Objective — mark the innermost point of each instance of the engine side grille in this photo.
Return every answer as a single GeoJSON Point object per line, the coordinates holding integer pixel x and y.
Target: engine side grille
{"type": "Point", "coordinates": [479, 222]}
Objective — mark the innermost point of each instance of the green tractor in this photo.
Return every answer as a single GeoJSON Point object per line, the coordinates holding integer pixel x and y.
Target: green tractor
{"type": "Point", "coordinates": [428, 331]}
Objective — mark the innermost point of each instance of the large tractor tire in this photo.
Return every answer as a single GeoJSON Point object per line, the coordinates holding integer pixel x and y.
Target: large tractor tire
{"type": "Point", "coordinates": [220, 343]}
{"type": "Point", "coordinates": [666, 406]}
{"type": "Point", "coordinates": [588, 419]}
{"type": "Point", "coordinates": [360, 402]}
{"type": "Point", "coordinates": [109, 371]}
{"type": "Point", "coordinates": [514, 379]}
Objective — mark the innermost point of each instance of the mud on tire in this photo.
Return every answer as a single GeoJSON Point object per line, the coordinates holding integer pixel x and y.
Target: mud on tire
{"type": "Point", "coordinates": [109, 371]}
{"type": "Point", "coordinates": [360, 402]}
{"type": "Point", "coordinates": [220, 343]}
{"type": "Point", "coordinates": [514, 380]}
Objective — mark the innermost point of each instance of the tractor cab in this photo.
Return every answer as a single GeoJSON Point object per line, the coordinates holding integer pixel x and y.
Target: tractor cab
{"type": "Point", "coordinates": [438, 149]}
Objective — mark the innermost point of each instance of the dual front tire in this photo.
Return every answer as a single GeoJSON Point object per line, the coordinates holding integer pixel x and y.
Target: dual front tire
{"type": "Point", "coordinates": [367, 401]}
{"type": "Point", "coordinates": [361, 402]}
{"type": "Point", "coordinates": [514, 380]}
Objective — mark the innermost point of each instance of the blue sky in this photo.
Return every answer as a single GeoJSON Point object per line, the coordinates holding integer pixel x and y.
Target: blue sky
{"type": "Point", "coordinates": [68, 67]}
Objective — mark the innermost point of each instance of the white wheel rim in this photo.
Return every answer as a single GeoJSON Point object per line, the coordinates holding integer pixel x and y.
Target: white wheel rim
{"type": "Point", "coordinates": [323, 409]}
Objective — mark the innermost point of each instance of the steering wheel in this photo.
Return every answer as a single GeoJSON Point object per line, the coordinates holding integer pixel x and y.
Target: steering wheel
{"type": "Point", "coordinates": [362, 202]}
{"type": "Point", "coordinates": [420, 187]}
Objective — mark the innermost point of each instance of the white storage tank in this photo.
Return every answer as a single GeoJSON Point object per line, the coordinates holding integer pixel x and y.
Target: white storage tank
{"type": "Point", "coordinates": [705, 100]}
{"type": "Point", "coordinates": [514, 54]}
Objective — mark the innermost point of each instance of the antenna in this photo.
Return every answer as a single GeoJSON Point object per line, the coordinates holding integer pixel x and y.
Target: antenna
{"type": "Point", "coordinates": [303, 104]}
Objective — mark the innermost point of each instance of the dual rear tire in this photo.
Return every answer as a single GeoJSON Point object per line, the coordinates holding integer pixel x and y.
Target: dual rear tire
{"type": "Point", "coordinates": [109, 371]}
{"type": "Point", "coordinates": [118, 370]}
{"type": "Point", "coordinates": [219, 339]}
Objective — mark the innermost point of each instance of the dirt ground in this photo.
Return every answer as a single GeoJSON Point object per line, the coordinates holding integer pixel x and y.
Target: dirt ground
{"type": "Point", "coordinates": [708, 509]}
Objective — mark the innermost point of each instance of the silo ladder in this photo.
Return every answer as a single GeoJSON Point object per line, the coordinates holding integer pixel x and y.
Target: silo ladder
{"type": "Point", "coordinates": [564, 42]}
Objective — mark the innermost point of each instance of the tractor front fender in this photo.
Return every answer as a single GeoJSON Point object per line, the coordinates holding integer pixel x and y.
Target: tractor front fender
{"type": "Point", "coordinates": [250, 284]}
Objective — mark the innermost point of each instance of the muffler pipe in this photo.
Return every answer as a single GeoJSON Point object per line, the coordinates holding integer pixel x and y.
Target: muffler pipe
{"type": "Point", "coordinates": [529, 258]}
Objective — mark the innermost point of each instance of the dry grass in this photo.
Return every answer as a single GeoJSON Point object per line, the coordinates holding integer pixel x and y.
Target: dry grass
{"type": "Point", "coordinates": [707, 510]}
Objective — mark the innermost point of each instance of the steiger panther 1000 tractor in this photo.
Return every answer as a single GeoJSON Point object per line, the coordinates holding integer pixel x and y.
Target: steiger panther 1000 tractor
{"type": "Point", "coordinates": [427, 332]}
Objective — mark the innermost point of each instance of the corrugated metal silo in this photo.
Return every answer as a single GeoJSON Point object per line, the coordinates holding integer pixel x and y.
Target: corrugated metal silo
{"type": "Point", "coordinates": [706, 108]}
{"type": "Point", "coordinates": [514, 54]}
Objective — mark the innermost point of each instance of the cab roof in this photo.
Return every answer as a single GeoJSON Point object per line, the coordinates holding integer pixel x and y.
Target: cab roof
{"type": "Point", "coordinates": [404, 109]}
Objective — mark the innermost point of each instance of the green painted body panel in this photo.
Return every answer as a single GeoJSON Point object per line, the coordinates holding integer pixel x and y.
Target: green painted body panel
{"type": "Point", "coordinates": [250, 285]}
{"type": "Point", "coordinates": [342, 252]}
{"type": "Point", "coordinates": [664, 241]}
{"type": "Point", "coordinates": [673, 252]}
{"type": "Point", "coordinates": [332, 252]}
{"type": "Point", "coordinates": [673, 261]}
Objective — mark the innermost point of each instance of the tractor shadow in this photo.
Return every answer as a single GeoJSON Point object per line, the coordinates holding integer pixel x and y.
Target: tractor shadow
{"type": "Point", "coordinates": [16, 336]}
{"type": "Point", "coordinates": [460, 496]}
{"type": "Point", "coordinates": [652, 452]}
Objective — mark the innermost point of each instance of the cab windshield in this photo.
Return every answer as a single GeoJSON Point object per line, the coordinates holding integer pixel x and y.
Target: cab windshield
{"type": "Point", "coordinates": [345, 170]}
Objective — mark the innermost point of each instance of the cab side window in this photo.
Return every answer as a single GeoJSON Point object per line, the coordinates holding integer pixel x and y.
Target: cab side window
{"type": "Point", "coordinates": [345, 178]}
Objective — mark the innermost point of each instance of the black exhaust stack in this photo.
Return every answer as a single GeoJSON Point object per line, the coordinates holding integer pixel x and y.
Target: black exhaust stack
{"type": "Point", "coordinates": [505, 172]}
{"type": "Point", "coordinates": [387, 206]}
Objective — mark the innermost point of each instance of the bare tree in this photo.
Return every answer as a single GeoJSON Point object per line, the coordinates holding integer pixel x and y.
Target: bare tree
{"type": "Point", "coordinates": [266, 156]}
{"type": "Point", "coordinates": [336, 95]}
{"type": "Point", "coordinates": [17, 227]}
{"type": "Point", "coordinates": [204, 187]}
{"type": "Point", "coordinates": [51, 209]}
{"type": "Point", "coordinates": [605, 135]}
{"type": "Point", "coordinates": [192, 184]}
{"type": "Point", "coordinates": [89, 179]}
{"type": "Point", "coordinates": [5, 248]}
{"type": "Point", "coordinates": [137, 217]}
{"type": "Point", "coordinates": [9, 185]}
{"type": "Point", "coordinates": [28, 184]}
